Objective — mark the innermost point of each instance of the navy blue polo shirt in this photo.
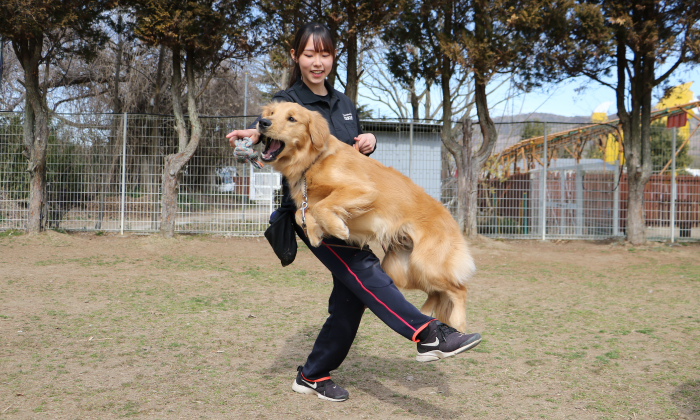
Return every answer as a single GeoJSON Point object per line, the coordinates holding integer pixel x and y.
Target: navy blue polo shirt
{"type": "Point", "coordinates": [336, 108]}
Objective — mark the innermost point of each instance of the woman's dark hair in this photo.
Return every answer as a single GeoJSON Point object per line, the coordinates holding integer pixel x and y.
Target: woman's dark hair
{"type": "Point", "coordinates": [323, 41]}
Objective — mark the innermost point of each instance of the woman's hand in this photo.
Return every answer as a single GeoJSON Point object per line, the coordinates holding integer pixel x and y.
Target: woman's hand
{"type": "Point", "coordinates": [365, 143]}
{"type": "Point", "coordinates": [251, 133]}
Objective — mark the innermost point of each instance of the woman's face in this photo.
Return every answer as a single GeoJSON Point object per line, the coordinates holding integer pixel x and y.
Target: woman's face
{"type": "Point", "coordinates": [315, 66]}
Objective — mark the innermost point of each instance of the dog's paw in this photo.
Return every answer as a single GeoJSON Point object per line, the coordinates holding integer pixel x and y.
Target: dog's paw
{"type": "Point", "coordinates": [342, 233]}
{"type": "Point", "coordinates": [315, 236]}
{"type": "Point", "coordinates": [313, 230]}
{"type": "Point", "coordinates": [338, 229]}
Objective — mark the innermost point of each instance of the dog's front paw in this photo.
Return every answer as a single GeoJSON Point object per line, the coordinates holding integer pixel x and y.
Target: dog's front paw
{"type": "Point", "coordinates": [338, 229]}
{"type": "Point", "coordinates": [313, 230]}
{"type": "Point", "coordinates": [341, 232]}
{"type": "Point", "coordinates": [315, 236]}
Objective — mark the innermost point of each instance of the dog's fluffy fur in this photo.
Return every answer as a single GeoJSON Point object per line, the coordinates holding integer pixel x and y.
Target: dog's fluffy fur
{"type": "Point", "coordinates": [357, 199]}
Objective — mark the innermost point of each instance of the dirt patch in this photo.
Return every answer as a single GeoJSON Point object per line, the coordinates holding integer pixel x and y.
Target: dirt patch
{"type": "Point", "coordinates": [212, 327]}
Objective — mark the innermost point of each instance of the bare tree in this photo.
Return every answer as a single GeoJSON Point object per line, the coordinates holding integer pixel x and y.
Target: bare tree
{"type": "Point", "coordinates": [200, 36]}
{"type": "Point", "coordinates": [42, 33]}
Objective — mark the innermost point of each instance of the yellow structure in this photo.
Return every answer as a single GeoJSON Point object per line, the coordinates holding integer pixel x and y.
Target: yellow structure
{"type": "Point", "coordinates": [600, 113]}
{"type": "Point", "coordinates": [612, 146]}
{"type": "Point", "coordinates": [678, 95]}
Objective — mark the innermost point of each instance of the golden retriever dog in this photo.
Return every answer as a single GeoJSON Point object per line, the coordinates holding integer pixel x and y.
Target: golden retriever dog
{"type": "Point", "coordinates": [357, 199]}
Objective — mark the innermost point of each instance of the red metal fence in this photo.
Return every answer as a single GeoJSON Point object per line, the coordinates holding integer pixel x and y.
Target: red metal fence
{"type": "Point", "coordinates": [512, 205]}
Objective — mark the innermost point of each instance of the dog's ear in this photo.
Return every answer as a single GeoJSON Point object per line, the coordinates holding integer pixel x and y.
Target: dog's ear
{"type": "Point", "coordinates": [318, 130]}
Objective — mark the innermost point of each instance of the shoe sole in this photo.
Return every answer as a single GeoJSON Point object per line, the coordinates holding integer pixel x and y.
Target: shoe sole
{"type": "Point", "coordinates": [308, 391]}
{"type": "Point", "coordinates": [434, 355]}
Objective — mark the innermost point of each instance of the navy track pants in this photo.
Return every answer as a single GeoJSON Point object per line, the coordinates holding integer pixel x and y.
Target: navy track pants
{"type": "Point", "coordinates": [358, 281]}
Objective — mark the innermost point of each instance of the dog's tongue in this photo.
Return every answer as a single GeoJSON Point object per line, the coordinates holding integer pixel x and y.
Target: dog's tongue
{"type": "Point", "coordinates": [274, 145]}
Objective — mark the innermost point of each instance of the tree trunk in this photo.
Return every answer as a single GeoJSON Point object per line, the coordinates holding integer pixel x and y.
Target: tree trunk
{"type": "Point", "coordinates": [351, 49]}
{"type": "Point", "coordinates": [636, 177]}
{"type": "Point", "coordinates": [37, 172]}
{"type": "Point", "coordinates": [637, 143]}
{"type": "Point", "coordinates": [414, 100]}
{"type": "Point", "coordinates": [174, 163]}
{"type": "Point", "coordinates": [428, 104]}
{"type": "Point", "coordinates": [36, 131]}
{"type": "Point", "coordinates": [475, 161]}
{"type": "Point", "coordinates": [470, 178]}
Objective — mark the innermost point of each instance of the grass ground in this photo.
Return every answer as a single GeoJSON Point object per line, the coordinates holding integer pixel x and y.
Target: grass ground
{"type": "Point", "coordinates": [101, 327]}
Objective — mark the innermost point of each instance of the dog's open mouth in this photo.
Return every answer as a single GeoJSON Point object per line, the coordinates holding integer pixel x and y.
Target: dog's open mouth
{"type": "Point", "coordinates": [272, 149]}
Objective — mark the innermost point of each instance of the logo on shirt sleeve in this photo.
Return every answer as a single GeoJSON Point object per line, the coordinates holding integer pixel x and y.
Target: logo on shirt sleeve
{"type": "Point", "coordinates": [348, 117]}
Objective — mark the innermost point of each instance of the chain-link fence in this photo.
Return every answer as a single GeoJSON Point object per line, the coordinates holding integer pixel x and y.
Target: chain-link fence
{"type": "Point", "coordinates": [104, 174]}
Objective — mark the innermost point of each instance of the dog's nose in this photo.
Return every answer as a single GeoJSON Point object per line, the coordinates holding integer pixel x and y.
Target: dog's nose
{"type": "Point", "coordinates": [264, 124]}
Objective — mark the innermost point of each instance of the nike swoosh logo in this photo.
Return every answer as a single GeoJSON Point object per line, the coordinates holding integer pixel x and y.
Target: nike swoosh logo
{"type": "Point", "coordinates": [311, 384]}
{"type": "Point", "coordinates": [435, 344]}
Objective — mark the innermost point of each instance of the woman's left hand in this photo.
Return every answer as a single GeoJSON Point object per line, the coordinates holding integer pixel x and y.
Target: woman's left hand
{"type": "Point", "coordinates": [365, 143]}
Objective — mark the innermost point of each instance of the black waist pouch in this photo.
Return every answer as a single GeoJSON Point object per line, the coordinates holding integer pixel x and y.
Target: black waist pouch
{"type": "Point", "coordinates": [280, 234]}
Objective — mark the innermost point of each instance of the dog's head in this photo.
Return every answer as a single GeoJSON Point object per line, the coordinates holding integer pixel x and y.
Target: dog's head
{"type": "Point", "coordinates": [291, 133]}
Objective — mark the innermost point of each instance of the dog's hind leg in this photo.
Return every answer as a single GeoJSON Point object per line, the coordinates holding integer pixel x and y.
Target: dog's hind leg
{"type": "Point", "coordinates": [457, 317]}
{"type": "Point", "coordinates": [395, 264]}
{"type": "Point", "coordinates": [428, 307]}
{"type": "Point", "coordinates": [443, 308]}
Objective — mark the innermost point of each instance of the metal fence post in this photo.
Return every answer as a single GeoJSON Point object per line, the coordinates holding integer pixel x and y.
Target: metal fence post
{"type": "Point", "coordinates": [563, 223]}
{"type": "Point", "coordinates": [543, 221]}
{"type": "Point", "coordinates": [121, 231]}
{"type": "Point", "coordinates": [673, 183]}
{"type": "Point", "coordinates": [616, 198]}
{"type": "Point", "coordinates": [579, 200]}
{"type": "Point", "coordinates": [410, 151]}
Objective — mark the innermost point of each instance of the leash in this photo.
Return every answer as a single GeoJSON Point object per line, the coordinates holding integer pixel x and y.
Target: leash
{"type": "Point", "coordinates": [364, 248]}
{"type": "Point", "coordinates": [305, 198]}
{"type": "Point", "coordinates": [304, 206]}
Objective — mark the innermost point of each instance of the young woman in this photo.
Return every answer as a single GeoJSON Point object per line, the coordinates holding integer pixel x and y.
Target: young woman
{"type": "Point", "coordinates": [358, 279]}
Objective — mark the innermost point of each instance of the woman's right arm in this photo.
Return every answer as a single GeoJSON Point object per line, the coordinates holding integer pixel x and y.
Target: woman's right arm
{"type": "Point", "coordinates": [234, 135]}
{"type": "Point", "coordinates": [253, 133]}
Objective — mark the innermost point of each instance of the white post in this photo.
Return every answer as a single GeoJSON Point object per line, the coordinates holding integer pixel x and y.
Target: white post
{"type": "Point", "coordinates": [543, 216]}
{"type": "Point", "coordinates": [272, 192]}
{"type": "Point", "coordinates": [673, 184]}
{"type": "Point", "coordinates": [245, 101]}
{"type": "Point", "coordinates": [251, 190]}
{"type": "Point", "coordinates": [410, 152]}
{"type": "Point", "coordinates": [121, 232]}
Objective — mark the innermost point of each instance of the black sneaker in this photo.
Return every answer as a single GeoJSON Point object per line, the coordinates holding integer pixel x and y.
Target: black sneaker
{"type": "Point", "coordinates": [325, 389]}
{"type": "Point", "coordinates": [444, 341]}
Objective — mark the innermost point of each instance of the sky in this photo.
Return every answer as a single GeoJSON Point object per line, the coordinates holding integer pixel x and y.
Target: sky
{"type": "Point", "coordinates": [566, 99]}
{"type": "Point", "coordinates": [575, 97]}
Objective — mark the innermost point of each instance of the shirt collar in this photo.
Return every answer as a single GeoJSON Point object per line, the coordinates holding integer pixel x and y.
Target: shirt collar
{"type": "Point", "coordinates": [307, 96]}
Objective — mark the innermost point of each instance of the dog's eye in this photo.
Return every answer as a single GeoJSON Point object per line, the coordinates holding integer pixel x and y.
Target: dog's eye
{"type": "Point", "coordinates": [292, 119]}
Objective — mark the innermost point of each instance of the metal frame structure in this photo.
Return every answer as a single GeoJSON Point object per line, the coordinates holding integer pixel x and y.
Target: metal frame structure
{"type": "Point", "coordinates": [574, 140]}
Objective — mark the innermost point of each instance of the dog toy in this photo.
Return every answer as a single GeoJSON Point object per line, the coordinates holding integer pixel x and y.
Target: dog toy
{"type": "Point", "coordinates": [244, 151]}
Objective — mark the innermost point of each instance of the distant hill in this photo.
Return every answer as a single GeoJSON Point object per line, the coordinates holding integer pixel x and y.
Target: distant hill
{"type": "Point", "coordinates": [545, 117]}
